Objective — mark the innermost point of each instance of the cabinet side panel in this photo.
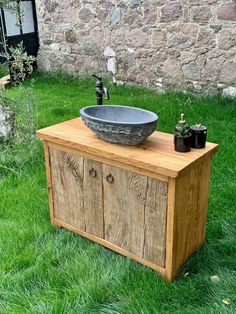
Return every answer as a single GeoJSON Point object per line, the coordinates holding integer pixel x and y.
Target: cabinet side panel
{"type": "Point", "coordinates": [67, 187]}
{"type": "Point", "coordinates": [124, 207]}
{"type": "Point", "coordinates": [93, 197]}
{"type": "Point", "coordinates": [191, 201]}
{"type": "Point", "coordinates": [155, 222]}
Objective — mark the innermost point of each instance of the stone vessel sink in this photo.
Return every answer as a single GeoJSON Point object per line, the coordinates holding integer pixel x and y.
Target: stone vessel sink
{"type": "Point", "coordinates": [120, 124]}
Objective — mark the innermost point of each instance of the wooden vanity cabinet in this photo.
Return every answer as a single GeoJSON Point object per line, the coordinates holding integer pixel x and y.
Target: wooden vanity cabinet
{"type": "Point", "coordinates": [146, 202]}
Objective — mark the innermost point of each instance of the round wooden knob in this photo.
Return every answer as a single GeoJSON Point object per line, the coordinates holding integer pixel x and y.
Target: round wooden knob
{"type": "Point", "coordinates": [93, 172]}
{"type": "Point", "coordinates": [110, 178]}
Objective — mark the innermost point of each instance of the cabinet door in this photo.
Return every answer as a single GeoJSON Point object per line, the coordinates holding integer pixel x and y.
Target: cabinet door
{"type": "Point", "coordinates": [93, 197]}
{"type": "Point", "coordinates": [77, 191]}
{"type": "Point", "coordinates": [67, 172]}
{"type": "Point", "coordinates": [135, 213]}
{"type": "Point", "coordinates": [155, 222]}
{"type": "Point", "coordinates": [124, 205]}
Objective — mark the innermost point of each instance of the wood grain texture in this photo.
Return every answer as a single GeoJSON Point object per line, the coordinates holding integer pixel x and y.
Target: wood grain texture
{"type": "Point", "coordinates": [49, 180]}
{"type": "Point", "coordinates": [170, 224]}
{"type": "Point", "coordinates": [124, 205]}
{"type": "Point", "coordinates": [155, 222]}
{"type": "Point", "coordinates": [105, 160]}
{"type": "Point", "coordinates": [188, 221]}
{"type": "Point", "coordinates": [156, 155]}
{"type": "Point", "coordinates": [67, 186]}
{"type": "Point", "coordinates": [93, 197]}
{"type": "Point", "coordinates": [110, 246]}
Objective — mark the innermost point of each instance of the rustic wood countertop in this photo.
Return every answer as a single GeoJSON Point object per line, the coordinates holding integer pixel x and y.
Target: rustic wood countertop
{"type": "Point", "coordinates": [156, 154]}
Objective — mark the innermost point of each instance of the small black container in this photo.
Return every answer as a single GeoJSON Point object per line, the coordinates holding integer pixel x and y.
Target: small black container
{"type": "Point", "coordinates": [182, 144]}
{"type": "Point", "coordinates": [199, 134]}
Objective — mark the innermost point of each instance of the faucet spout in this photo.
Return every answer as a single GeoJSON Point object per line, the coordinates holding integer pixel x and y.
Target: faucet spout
{"type": "Point", "coordinates": [97, 77]}
{"type": "Point", "coordinates": [100, 91]}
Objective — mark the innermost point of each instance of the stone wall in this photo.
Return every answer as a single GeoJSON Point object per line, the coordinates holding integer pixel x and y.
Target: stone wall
{"type": "Point", "coordinates": [183, 44]}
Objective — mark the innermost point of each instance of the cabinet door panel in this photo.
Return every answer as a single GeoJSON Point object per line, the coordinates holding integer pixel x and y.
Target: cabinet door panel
{"type": "Point", "coordinates": [124, 204]}
{"type": "Point", "coordinates": [93, 197]}
{"type": "Point", "coordinates": [67, 186]}
{"type": "Point", "coordinates": [155, 222]}
{"type": "Point", "coordinates": [122, 207]}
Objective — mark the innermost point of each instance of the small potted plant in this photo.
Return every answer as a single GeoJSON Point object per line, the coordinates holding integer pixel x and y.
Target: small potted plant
{"type": "Point", "coordinates": [182, 136]}
{"type": "Point", "coordinates": [20, 64]}
{"type": "Point", "coordinates": [199, 134]}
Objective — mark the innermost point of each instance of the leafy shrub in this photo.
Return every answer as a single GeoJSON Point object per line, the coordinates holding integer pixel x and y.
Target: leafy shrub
{"type": "Point", "coordinates": [23, 149]}
{"type": "Point", "coordinates": [19, 63]}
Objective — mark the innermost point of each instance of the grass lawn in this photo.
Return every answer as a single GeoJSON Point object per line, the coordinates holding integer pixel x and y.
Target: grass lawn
{"type": "Point", "coordinates": [44, 269]}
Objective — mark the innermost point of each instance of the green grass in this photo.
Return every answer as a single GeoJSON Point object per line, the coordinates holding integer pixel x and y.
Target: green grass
{"type": "Point", "coordinates": [3, 70]}
{"type": "Point", "coordinates": [48, 270]}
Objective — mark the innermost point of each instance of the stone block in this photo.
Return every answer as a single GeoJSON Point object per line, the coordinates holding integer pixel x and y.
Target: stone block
{"type": "Point", "coordinates": [138, 38]}
{"type": "Point", "coordinates": [50, 5]}
{"type": "Point", "coordinates": [70, 14]}
{"type": "Point", "coordinates": [118, 36]}
{"type": "Point", "coordinates": [7, 119]}
{"type": "Point", "coordinates": [186, 15]}
{"type": "Point", "coordinates": [216, 27]}
{"type": "Point", "coordinates": [150, 14]}
{"type": "Point", "coordinates": [158, 38]}
{"type": "Point", "coordinates": [211, 70]}
{"type": "Point", "coordinates": [206, 37]}
{"type": "Point", "coordinates": [227, 39]}
{"type": "Point", "coordinates": [200, 2]}
{"type": "Point", "coordinates": [69, 68]}
{"type": "Point", "coordinates": [134, 4]}
{"type": "Point", "coordinates": [172, 67]}
{"type": "Point", "coordinates": [111, 65]}
{"type": "Point", "coordinates": [92, 49]}
{"type": "Point", "coordinates": [189, 29]}
{"type": "Point", "coordinates": [191, 71]}
{"type": "Point", "coordinates": [5, 82]}
{"type": "Point", "coordinates": [179, 40]}
{"type": "Point", "coordinates": [157, 2]}
{"type": "Point", "coordinates": [105, 4]}
{"type": "Point", "coordinates": [101, 38]}
{"type": "Point", "coordinates": [171, 12]}
{"type": "Point", "coordinates": [201, 60]}
{"type": "Point", "coordinates": [86, 15]}
{"type": "Point", "coordinates": [214, 53]}
{"type": "Point", "coordinates": [228, 72]}
{"type": "Point", "coordinates": [227, 11]}
{"type": "Point", "coordinates": [132, 17]}
{"type": "Point", "coordinates": [109, 52]}
{"type": "Point", "coordinates": [201, 14]}
{"type": "Point", "coordinates": [70, 58]}
{"type": "Point", "coordinates": [229, 91]}
{"type": "Point", "coordinates": [115, 17]}
{"type": "Point", "coordinates": [187, 56]}
{"type": "Point", "coordinates": [146, 54]}
{"type": "Point", "coordinates": [102, 14]}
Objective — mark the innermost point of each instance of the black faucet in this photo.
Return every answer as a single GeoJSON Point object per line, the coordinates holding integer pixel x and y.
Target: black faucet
{"type": "Point", "coordinates": [100, 90]}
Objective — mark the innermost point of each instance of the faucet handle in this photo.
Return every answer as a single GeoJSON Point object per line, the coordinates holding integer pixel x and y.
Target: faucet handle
{"type": "Point", "coordinates": [106, 93]}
